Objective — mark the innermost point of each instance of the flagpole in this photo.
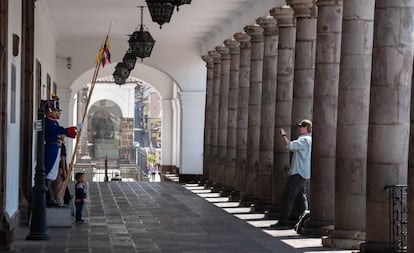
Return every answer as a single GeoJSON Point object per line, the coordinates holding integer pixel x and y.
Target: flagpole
{"type": "Point", "coordinates": [79, 132]}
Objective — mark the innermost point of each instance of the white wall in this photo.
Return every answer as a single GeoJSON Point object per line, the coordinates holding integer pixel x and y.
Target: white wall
{"type": "Point", "coordinates": [236, 22]}
{"type": "Point", "coordinates": [182, 64]}
{"type": "Point", "coordinates": [45, 53]}
{"type": "Point", "coordinates": [13, 129]}
{"type": "Point", "coordinates": [45, 45]}
{"type": "Point", "coordinates": [123, 96]}
{"type": "Point", "coordinates": [192, 132]}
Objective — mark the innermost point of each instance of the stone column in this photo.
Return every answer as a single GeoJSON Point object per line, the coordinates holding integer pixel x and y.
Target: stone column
{"type": "Point", "coordinates": [325, 107]}
{"type": "Point", "coordinates": [214, 113]}
{"type": "Point", "coordinates": [389, 116]}
{"type": "Point", "coordinates": [242, 114]}
{"type": "Point", "coordinates": [306, 16]}
{"type": "Point", "coordinates": [223, 113]}
{"type": "Point", "coordinates": [230, 164]}
{"type": "Point", "coordinates": [255, 94]}
{"type": "Point", "coordinates": [284, 95]}
{"type": "Point", "coordinates": [352, 127]}
{"type": "Point", "coordinates": [83, 152]}
{"type": "Point", "coordinates": [167, 116]}
{"type": "Point", "coordinates": [207, 117]}
{"type": "Point", "coordinates": [410, 183]}
{"type": "Point", "coordinates": [267, 112]}
{"type": "Point", "coordinates": [126, 140]}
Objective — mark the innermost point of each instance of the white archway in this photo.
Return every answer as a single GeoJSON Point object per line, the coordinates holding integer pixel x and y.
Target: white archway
{"type": "Point", "coordinates": [168, 90]}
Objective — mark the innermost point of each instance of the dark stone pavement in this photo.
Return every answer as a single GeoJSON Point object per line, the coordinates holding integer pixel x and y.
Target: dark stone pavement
{"type": "Point", "coordinates": [124, 217]}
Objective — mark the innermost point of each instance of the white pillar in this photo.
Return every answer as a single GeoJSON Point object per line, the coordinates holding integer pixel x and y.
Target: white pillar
{"type": "Point", "coordinates": [176, 110]}
{"type": "Point", "coordinates": [167, 132]}
{"type": "Point", "coordinates": [192, 126]}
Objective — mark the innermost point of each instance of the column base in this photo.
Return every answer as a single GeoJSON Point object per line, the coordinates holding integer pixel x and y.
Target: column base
{"type": "Point", "coordinates": [247, 200]}
{"type": "Point", "coordinates": [261, 206]}
{"type": "Point", "coordinates": [202, 181]}
{"type": "Point", "coordinates": [208, 184]}
{"type": "Point", "coordinates": [273, 213]}
{"type": "Point", "coordinates": [217, 188]}
{"type": "Point", "coordinates": [376, 247]}
{"type": "Point", "coordinates": [6, 232]}
{"type": "Point", "coordinates": [189, 178]}
{"type": "Point", "coordinates": [226, 191]}
{"type": "Point", "coordinates": [234, 196]}
{"type": "Point", "coordinates": [316, 227]}
{"type": "Point", "coordinates": [84, 158]}
{"type": "Point", "coordinates": [343, 239]}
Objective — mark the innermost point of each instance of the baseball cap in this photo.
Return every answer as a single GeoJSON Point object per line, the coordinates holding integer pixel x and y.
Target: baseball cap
{"type": "Point", "coordinates": [305, 123]}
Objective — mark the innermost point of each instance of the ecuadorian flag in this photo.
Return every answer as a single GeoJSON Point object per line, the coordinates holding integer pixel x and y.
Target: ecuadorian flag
{"type": "Point", "coordinates": [104, 55]}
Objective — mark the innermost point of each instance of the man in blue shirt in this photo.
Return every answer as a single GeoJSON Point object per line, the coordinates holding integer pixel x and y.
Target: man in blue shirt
{"type": "Point", "coordinates": [299, 172]}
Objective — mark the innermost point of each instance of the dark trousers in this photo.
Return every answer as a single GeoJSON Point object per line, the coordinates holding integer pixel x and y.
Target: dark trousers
{"type": "Point", "coordinates": [79, 209]}
{"type": "Point", "coordinates": [294, 199]}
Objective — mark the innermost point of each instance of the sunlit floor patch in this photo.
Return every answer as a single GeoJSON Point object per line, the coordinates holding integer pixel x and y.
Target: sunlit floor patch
{"type": "Point", "coordinates": [251, 216]}
{"type": "Point", "coordinates": [332, 251]}
{"type": "Point", "coordinates": [217, 200]}
{"type": "Point", "coordinates": [303, 242]}
{"type": "Point", "coordinates": [201, 191]}
{"type": "Point", "coordinates": [227, 204]}
{"type": "Point", "coordinates": [281, 233]}
{"type": "Point", "coordinates": [261, 223]}
{"type": "Point", "coordinates": [194, 187]}
{"type": "Point", "coordinates": [210, 195]}
{"type": "Point", "coordinates": [237, 210]}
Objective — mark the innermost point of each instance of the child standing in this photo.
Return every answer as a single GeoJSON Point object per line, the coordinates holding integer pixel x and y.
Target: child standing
{"type": "Point", "coordinates": [80, 195]}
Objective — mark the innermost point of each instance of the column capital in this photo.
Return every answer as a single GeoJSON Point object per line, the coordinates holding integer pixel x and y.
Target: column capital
{"type": "Point", "coordinates": [303, 8]}
{"type": "Point", "coordinates": [243, 39]}
{"type": "Point", "coordinates": [233, 45]}
{"type": "Point", "coordinates": [209, 60]}
{"type": "Point", "coordinates": [215, 55]}
{"type": "Point", "coordinates": [269, 25]}
{"type": "Point", "coordinates": [224, 52]}
{"type": "Point", "coordinates": [255, 32]}
{"type": "Point", "coordinates": [285, 16]}
{"type": "Point", "coordinates": [329, 2]}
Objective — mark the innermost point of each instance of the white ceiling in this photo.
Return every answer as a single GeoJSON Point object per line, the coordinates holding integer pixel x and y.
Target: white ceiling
{"type": "Point", "coordinates": [90, 19]}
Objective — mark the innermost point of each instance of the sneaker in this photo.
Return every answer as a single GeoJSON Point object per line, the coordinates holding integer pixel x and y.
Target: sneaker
{"type": "Point", "coordinates": [80, 221]}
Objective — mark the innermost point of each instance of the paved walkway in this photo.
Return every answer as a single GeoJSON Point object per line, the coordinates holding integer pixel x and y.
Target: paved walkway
{"type": "Point", "coordinates": [165, 217]}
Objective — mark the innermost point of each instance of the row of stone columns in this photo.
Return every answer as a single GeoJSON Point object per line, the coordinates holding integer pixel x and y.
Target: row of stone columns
{"type": "Point", "coordinates": [313, 60]}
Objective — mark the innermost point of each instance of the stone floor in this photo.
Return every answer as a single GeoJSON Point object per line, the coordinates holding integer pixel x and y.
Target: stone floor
{"type": "Point", "coordinates": [165, 217]}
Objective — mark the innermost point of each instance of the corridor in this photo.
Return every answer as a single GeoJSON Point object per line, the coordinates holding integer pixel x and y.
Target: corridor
{"type": "Point", "coordinates": [165, 217]}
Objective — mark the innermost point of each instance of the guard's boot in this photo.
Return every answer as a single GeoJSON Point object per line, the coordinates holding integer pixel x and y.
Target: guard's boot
{"type": "Point", "coordinates": [50, 200]}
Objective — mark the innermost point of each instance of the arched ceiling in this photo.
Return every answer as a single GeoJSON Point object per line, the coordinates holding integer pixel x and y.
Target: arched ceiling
{"type": "Point", "coordinates": [90, 19]}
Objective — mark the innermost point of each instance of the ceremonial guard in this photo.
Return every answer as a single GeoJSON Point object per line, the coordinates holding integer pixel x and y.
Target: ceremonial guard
{"type": "Point", "coordinates": [53, 145]}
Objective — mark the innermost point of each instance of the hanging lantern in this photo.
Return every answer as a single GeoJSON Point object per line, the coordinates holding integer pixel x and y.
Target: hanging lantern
{"type": "Point", "coordinates": [141, 42]}
{"type": "Point", "coordinates": [129, 60]}
{"type": "Point", "coordinates": [121, 73]}
{"type": "Point", "coordinates": [179, 2]}
{"type": "Point", "coordinates": [117, 77]}
{"type": "Point", "coordinates": [161, 11]}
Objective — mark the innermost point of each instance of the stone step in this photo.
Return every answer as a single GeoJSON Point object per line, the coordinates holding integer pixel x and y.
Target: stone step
{"type": "Point", "coordinates": [59, 216]}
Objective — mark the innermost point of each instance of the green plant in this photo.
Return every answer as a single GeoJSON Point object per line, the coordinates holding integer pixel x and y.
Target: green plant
{"type": "Point", "coordinates": [151, 158]}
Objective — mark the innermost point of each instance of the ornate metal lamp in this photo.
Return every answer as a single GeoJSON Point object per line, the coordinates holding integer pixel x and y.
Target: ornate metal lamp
{"type": "Point", "coordinates": [121, 73]}
{"type": "Point", "coordinates": [141, 42]}
{"type": "Point", "coordinates": [129, 59]}
{"type": "Point", "coordinates": [161, 11]}
{"type": "Point", "coordinates": [179, 2]}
